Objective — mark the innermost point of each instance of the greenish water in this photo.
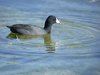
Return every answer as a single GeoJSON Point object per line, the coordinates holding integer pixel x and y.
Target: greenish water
{"type": "Point", "coordinates": [73, 48]}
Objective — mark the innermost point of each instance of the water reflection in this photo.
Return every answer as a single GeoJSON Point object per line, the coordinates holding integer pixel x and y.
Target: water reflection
{"type": "Point", "coordinates": [48, 42]}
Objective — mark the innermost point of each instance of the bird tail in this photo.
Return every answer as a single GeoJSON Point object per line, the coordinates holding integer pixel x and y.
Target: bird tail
{"type": "Point", "coordinates": [9, 26]}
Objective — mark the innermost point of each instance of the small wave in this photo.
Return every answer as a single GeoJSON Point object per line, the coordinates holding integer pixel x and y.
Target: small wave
{"type": "Point", "coordinates": [93, 1]}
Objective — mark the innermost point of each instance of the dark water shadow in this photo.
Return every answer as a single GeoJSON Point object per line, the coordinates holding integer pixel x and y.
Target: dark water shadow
{"type": "Point", "coordinates": [48, 42]}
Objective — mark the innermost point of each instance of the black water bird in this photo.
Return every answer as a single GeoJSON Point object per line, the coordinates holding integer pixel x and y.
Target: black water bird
{"type": "Point", "coordinates": [27, 29]}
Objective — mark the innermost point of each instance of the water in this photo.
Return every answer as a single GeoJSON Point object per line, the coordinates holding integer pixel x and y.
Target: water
{"type": "Point", "coordinates": [73, 48]}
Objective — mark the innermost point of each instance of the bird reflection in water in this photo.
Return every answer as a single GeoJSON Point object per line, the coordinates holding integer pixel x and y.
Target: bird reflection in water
{"type": "Point", "coordinates": [48, 43]}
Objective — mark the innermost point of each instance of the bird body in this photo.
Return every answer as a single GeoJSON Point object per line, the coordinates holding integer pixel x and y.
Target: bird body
{"type": "Point", "coordinates": [27, 29]}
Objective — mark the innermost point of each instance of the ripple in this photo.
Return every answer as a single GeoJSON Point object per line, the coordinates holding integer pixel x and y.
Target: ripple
{"type": "Point", "coordinates": [76, 35]}
{"type": "Point", "coordinates": [72, 48]}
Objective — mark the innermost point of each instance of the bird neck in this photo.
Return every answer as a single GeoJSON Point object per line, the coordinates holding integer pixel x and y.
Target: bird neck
{"type": "Point", "coordinates": [47, 27]}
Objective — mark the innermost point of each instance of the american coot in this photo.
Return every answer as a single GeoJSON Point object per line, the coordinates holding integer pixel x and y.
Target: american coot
{"type": "Point", "coordinates": [27, 29]}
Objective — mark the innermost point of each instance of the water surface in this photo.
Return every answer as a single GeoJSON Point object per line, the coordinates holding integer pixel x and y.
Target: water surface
{"type": "Point", "coordinates": [73, 48]}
